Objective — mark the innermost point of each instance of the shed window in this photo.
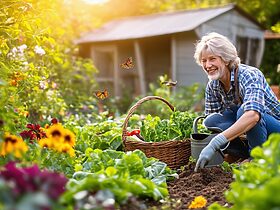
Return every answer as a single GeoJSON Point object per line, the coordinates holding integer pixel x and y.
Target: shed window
{"type": "Point", "coordinates": [248, 49]}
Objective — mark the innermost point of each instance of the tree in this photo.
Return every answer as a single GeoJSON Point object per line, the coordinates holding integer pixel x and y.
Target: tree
{"type": "Point", "coordinates": [41, 74]}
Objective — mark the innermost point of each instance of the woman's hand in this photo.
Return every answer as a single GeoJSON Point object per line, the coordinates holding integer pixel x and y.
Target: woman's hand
{"type": "Point", "coordinates": [208, 152]}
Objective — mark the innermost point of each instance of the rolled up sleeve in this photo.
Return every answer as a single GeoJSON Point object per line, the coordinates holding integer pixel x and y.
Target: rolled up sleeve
{"type": "Point", "coordinates": [253, 96]}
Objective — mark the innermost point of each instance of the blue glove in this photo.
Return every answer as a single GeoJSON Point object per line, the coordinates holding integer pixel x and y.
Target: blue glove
{"type": "Point", "coordinates": [208, 152]}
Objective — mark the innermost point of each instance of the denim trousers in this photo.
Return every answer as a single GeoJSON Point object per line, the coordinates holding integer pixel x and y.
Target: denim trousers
{"type": "Point", "coordinates": [256, 136]}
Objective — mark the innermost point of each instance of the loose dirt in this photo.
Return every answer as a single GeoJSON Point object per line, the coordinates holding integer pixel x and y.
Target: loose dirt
{"type": "Point", "coordinates": [211, 183]}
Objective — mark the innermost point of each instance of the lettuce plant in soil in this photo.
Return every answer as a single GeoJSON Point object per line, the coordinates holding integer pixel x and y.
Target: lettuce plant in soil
{"type": "Point", "coordinates": [118, 176]}
{"type": "Point", "coordinates": [256, 184]}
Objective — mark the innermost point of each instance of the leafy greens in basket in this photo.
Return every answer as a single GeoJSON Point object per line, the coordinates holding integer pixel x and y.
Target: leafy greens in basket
{"type": "Point", "coordinates": [177, 127]}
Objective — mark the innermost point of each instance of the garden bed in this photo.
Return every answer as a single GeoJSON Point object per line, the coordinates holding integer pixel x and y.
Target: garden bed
{"type": "Point", "coordinates": [211, 183]}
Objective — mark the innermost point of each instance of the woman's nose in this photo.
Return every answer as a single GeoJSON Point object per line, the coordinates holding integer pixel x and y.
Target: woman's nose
{"type": "Point", "coordinates": [208, 64]}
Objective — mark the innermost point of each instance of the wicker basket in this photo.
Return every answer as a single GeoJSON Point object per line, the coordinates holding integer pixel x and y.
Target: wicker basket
{"type": "Point", "coordinates": [174, 153]}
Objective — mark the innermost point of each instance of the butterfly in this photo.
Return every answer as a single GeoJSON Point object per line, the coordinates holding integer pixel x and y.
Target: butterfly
{"type": "Point", "coordinates": [169, 83]}
{"type": "Point", "coordinates": [102, 94]}
{"type": "Point", "coordinates": [128, 64]}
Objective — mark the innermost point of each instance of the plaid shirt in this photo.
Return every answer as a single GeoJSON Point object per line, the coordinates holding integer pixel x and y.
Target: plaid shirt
{"type": "Point", "coordinates": [254, 91]}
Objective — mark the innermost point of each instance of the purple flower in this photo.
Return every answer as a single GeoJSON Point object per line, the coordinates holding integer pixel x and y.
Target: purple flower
{"type": "Point", "coordinates": [31, 179]}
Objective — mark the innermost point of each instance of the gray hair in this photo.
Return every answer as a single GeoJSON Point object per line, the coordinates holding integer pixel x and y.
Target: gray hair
{"type": "Point", "coordinates": [219, 45]}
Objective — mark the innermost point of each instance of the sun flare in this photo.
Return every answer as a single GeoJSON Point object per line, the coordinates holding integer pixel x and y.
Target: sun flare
{"type": "Point", "coordinates": [95, 1]}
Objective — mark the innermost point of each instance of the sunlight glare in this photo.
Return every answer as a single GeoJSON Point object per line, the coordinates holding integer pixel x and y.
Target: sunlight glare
{"type": "Point", "coordinates": [95, 1]}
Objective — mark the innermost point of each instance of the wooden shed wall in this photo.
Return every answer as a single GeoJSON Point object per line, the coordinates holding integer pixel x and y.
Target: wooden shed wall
{"type": "Point", "coordinates": [128, 78]}
{"type": "Point", "coordinates": [238, 29]}
{"type": "Point", "coordinates": [156, 53]}
{"type": "Point", "coordinates": [231, 24]}
{"type": "Point", "coordinates": [187, 71]}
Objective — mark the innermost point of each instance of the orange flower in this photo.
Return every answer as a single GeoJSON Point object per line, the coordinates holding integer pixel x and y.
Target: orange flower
{"type": "Point", "coordinates": [16, 77]}
{"type": "Point", "coordinates": [198, 202]}
{"type": "Point", "coordinates": [24, 113]}
{"type": "Point", "coordinates": [13, 82]}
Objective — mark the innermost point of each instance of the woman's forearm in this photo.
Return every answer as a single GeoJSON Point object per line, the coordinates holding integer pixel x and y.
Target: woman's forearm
{"type": "Point", "coordinates": [247, 121]}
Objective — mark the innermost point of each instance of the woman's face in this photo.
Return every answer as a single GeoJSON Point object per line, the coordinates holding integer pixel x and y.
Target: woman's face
{"type": "Point", "coordinates": [214, 66]}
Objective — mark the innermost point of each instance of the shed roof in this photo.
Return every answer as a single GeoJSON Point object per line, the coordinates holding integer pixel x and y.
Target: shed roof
{"type": "Point", "coordinates": [155, 24]}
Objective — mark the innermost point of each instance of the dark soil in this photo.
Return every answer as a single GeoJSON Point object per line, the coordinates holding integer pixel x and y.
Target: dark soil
{"type": "Point", "coordinates": [211, 183]}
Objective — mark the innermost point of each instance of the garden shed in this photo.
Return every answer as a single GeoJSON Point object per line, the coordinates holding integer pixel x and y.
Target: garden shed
{"type": "Point", "coordinates": [164, 43]}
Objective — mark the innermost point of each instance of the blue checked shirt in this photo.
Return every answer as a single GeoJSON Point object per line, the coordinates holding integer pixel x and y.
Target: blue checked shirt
{"type": "Point", "coordinates": [254, 91]}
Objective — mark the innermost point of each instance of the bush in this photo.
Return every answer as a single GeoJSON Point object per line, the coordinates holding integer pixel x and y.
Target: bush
{"type": "Point", "coordinates": [270, 61]}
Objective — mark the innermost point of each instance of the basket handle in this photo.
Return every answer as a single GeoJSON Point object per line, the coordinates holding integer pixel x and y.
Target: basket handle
{"type": "Point", "coordinates": [134, 107]}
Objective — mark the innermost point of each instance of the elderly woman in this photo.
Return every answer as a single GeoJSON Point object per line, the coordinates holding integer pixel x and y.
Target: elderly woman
{"type": "Point", "coordinates": [238, 99]}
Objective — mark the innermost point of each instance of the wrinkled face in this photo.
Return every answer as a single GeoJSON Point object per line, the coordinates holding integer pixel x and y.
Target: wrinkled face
{"type": "Point", "coordinates": [213, 66]}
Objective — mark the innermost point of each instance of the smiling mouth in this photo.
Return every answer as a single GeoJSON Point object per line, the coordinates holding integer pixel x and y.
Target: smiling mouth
{"type": "Point", "coordinates": [211, 71]}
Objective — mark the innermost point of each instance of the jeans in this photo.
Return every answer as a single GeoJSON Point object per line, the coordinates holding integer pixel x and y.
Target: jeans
{"type": "Point", "coordinates": [256, 136]}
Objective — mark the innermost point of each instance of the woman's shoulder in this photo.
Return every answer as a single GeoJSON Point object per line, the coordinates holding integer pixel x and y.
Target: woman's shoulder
{"type": "Point", "coordinates": [245, 67]}
{"type": "Point", "coordinates": [246, 72]}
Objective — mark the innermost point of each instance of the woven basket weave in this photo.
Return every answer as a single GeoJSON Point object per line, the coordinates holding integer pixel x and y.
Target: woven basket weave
{"type": "Point", "coordinates": [174, 153]}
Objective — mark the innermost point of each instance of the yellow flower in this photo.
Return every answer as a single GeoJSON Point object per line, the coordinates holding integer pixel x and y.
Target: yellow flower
{"type": "Point", "coordinates": [20, 149]}
{"type": "Point", "coordinates": [60, 139]}
{"type": "Point", "coordinates": [66, 148]}
{"type": "Point", "coordinates": [24, 113]}
{"type": "Point", "coordinates": [69, 137]}
{"type": "Point", "coordinates": [55, 131]}
{"type": "Point", "coordinates": [198, 202]}
{"type": "Point", "coordinates": [13, 145]}
{"type": "Point", "coordinates": [45, 143]}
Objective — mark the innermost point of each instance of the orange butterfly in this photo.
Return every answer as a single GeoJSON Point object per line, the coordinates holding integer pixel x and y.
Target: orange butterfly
{"type": "Point", "coordinates": [102, 94]}
{"type": "Point", "coordinates": [169, 83]}
{"type": "Point", "coordinates": [128, 64]}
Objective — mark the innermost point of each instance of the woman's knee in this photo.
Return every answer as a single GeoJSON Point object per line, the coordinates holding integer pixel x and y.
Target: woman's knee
{"type": "Point", "coordinates": [216, 122]}
{"type": "Point", "coordinates": [212, 120]}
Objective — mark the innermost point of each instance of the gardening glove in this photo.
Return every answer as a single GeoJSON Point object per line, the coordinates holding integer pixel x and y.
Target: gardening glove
{"type": "Point", "coordinates": [208, 151]}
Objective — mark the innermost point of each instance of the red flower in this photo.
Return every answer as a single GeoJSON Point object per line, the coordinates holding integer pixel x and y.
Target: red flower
{"type": "Point", "coordinates": [35, 132]}
{"type": "Point", "coordinates": [28, 135]}
{"type": "Point", "coordinates": [54, 121]}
